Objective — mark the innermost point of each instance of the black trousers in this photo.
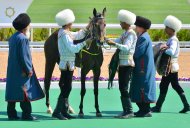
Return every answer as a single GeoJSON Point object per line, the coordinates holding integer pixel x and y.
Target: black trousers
{"type": "Point", "coordinates": [144, 107]}
{"type": "Point", "coordinates": [65, 83]}
{"type": "Point", "coordinates": [173, 79]}
{"type": "Point", "coordinates": [25, 106]}
{"type": "Point", "coordinates": [124, 77]}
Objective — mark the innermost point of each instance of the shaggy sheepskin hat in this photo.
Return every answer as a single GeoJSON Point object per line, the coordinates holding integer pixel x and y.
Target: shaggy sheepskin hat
{"type": "Point", "coordinates": [65, 17]}
{"type": "Point", "coordinates": [21, 21]}
{"type": "Point", "coordinates": [127, 17]}
{"type": "Point", "coordinates": [143, 22]}
{"type": "Point", "coordinates": [173, 23]}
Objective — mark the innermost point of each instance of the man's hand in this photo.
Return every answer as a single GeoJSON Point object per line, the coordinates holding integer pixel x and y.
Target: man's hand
{"type": "Point", "coordinates": [89, 25]}
{"type": "Point", "coordinates": [163, 46]}
{"type": "Point", "coordinates": [110, 42]}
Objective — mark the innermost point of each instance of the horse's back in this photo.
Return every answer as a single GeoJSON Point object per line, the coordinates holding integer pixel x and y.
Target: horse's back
{"type": "Point", "coordinates": [51, 46]}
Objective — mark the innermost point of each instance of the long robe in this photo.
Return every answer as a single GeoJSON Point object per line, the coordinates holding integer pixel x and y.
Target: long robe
{"type": "Point", "coordinates": [19, 86]}
{"type": "Point", "coordinates": [143, 84]}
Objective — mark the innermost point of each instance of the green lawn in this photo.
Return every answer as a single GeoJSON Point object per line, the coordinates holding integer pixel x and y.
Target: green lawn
{"type": "Point", "coordinates": [44, 11]}
{"type": "Point", "coordinates": [109, 105]}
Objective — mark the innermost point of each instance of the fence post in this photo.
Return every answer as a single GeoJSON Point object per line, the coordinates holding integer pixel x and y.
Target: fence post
{"type": "Point", "coordinates": [32, 35]}
{"type": "Point", "coordinates": [50, 31]}
{"type": "Point", "coordinates": [79, 72]}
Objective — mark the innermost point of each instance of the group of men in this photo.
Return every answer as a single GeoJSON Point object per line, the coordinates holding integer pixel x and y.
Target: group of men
{"type": "Point", "coordinates": [136, 63]}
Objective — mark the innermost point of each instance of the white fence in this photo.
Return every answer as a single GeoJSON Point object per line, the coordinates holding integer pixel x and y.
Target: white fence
{"type": "Point", "coordinates": [82, 25]}
{"type": "Point", "coordinates": [50, 26]}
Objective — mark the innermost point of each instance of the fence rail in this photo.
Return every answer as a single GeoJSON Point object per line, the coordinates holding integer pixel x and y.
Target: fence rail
{"type": "Point", "coordinates": [50, 26]}
{"type": "Point", "coordinates": [81, 25]}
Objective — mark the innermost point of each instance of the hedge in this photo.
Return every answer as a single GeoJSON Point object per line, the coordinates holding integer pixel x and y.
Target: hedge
{"type": "Point", "coordinates": [41, 34]}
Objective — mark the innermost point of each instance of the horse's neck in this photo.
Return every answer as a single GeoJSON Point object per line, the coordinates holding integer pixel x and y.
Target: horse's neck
{"type": "Point", "coordinates": [94, 48]}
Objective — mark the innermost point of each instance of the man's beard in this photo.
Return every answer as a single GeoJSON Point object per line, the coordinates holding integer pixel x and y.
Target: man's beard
{"type": "Point", "coordinates": [28, 33]}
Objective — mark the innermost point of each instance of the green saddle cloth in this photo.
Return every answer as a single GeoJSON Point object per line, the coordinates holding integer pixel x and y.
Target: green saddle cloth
{"type": "Point", "coordinates": [113, 67]}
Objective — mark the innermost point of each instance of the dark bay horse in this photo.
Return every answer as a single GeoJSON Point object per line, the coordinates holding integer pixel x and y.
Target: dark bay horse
{"type": "Point", "coordinates": [89, 58]}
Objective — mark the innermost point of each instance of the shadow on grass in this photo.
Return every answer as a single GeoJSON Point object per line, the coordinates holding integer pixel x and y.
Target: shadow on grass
{"type": "Point", "coordinates": [42, 116]}
{"type": "Point", "coordinates": [38, 115]}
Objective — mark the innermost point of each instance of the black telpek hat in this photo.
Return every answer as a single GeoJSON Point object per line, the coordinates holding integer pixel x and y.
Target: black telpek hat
{"type": "Point", "coordinates": [143, 22]}
{"type": "Point", "coordinates": [21, 21]}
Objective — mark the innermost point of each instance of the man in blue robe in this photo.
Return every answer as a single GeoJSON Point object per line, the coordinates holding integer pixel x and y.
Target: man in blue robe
{"type": "Point", "coordinates": [22, 84]}
{"type": "Point", "coordinates": [143, 84]}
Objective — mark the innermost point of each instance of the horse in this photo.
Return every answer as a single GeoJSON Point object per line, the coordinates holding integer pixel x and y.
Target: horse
{"type": "Point", "coordinates": [90, 58]}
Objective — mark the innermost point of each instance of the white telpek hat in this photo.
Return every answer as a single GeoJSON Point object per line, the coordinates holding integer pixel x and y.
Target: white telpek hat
{"type": "Point", "coordinates": [126, 16]}
{"type": "Point", "coordinates": [64, 17]}
{"type": "Point", "coordinates": [173, 23]}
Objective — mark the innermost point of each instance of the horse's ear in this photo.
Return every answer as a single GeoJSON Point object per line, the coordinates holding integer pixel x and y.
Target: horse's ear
{"type": "Point", "coordinates": [94, 12]}
{"type": "Point", "coordinates": [104, 11]}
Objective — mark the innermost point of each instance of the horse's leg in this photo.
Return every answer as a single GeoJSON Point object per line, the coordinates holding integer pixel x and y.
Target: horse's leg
{"type": "Point", "coordinates": [49, 67]}
{"type": "Point", "coordinates": [96, 72]}
{"type": "Point", "coordinates": [84, 72]}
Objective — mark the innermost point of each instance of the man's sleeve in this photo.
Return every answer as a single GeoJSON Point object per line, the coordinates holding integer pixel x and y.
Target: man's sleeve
{"type": "Point", "coordinates": [140, 47]}
{"type": "Point", "coordinates": [25, 55]}
{"type": "Point", "coordinates": [172, 48]}
{"type": "Point", "coordinates": [79, 34]}
{"type": "Point", "coordinates": [127, 44]}
{"type": "Point", "coordinates": [70, 46]}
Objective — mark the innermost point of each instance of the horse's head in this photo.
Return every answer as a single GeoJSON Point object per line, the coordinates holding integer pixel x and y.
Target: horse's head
{"type": "Point", "coordinates": [98, 25]}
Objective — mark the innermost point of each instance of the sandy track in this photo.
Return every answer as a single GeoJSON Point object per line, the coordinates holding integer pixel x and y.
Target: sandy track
{"type": "Point", "coordinates": [39, 65]}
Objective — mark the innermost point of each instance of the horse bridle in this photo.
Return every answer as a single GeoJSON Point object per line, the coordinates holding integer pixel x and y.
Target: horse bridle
{"type": "Point", "coordinates": [96, 30]}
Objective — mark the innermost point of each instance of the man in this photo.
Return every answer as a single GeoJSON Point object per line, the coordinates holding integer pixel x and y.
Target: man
{"type": "Point", "coordinates": [22, 84]}
{"type": "Point", "coordinates": [143, 84]}
{"type": "Point", "coordinates": [126, 44]}
{"type": "Point", "coordinates": [173, 25]}
{"type": "Point", "coordinates": [67, 50]}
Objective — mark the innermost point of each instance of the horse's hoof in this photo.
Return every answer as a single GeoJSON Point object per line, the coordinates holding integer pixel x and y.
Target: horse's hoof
{"type": "Point", "coordinates": [98, 114]}
{"type": "Point", "coordinates": [81, 115]}
{"type": "Point", "coordinates": [49, 111]}
{"type": "Point", "coordinates": [71, 110]}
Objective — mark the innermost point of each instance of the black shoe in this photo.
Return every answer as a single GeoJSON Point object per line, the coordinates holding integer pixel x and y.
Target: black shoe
{"type": "Point", "coordinates": [59, 116]}
{"type": "Point", "coordinates": [136, 113]}
{"type": "Point", "coordinates": [185, 103]}
{"type": "Point", "coordinates": [29, 118]}
{"type": "Point", "coordinates": [149, 114]}
{"type": "Point", "coordinates": [155, 109]}
{"type": "Point", "coordinates": [125, 115]}
{"type": "Point", "coordinates": [127, 108]}
{"type": "Point", "coordinates": [64, 110]}
{"type": "Point", "coordinates": [14, 118]}
{"type": "Point", "coordinates": [144, 114]}
{"type": "Point", "coordinates": [68, 116]}
{"type": "Point", "coordinates": [185, 109]}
